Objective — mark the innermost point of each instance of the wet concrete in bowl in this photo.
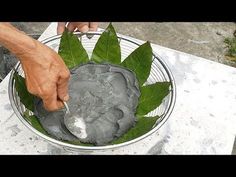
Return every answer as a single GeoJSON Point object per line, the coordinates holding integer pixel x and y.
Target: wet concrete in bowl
{"type": "Point", "coordinates": [103, 101]}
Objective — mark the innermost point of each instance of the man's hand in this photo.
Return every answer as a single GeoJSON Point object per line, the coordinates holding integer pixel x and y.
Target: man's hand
{"type": "Point", "coordinates": [77, 26]}
{"type": "Point", "coordinates": [46, 75]}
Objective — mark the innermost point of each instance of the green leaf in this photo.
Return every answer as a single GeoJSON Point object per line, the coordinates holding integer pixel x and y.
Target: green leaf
{"type": "Point", "coordinates": [71, 50]}
{"type": "Point", "coordinates": [25, 97]}
{"type": "Point", "coordinates": [33, 120]}
{"type": "Point", "coordinates": [152, 96]}
{"type": "Point", "coordinates": [140, 61]}
{"type": "Point", "coordinates": [107, 47]}
{"type": "Point", "coordinates": [143, 126]}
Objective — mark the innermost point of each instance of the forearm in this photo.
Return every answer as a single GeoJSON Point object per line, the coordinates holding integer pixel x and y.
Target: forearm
{"type": "Point", "coordinates": [14, 40]}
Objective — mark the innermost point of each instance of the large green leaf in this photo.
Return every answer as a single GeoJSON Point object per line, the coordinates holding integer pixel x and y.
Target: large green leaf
{"type": "Point", "coordinates": [107, 48]}
{"type": "Point", "coordinates": [140, 61]}
{"type": "Point", "coordinates": [143, 126]}
{"type": "Point", "coordinates": [71, 50]}
{"type": "Point", "coordinates": [152, 96]}
{"type": "Point", "coordinates": [25, 97]}
{"type": "Point", "coordinates": [33, 120]}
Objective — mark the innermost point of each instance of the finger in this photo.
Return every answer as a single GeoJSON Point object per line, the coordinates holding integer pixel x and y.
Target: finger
{"type": "Point", "coordinates": [93, 26]}
{"type": "Point", "coordinates": [60, 27]}
{"type": "Point", "coordinates": [71, 27]}
{"type": "Point", "coordinates": [51, 103]}
{"type": "Point", "coordinates": [62, 86]}
{"type": "Point", "coordinates": [82, 27]}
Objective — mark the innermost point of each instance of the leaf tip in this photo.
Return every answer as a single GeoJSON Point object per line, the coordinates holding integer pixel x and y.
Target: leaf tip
{"type": "Point", "coordinates": [110, 27]}
{"type": "Point", "coordinates": [110, 24]}
{"type": "Point", "coordinates": [148, 43]}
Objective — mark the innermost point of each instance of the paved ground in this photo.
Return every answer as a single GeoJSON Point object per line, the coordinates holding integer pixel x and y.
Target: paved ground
{"type": "Point", "coordinates": [201, 39]}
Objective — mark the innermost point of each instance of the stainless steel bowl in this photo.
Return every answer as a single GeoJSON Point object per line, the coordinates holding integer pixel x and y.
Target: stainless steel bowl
{"type": "Point", "coordinates": [159, 73]}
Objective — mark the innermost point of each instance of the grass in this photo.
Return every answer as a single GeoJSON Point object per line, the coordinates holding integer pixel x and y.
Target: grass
{"type": "Point", "coordinates": [231, 48]}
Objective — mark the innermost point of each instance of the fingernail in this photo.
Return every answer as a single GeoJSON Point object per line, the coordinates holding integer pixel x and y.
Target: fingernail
{"type": "Point", "coordinates": [66, 98]}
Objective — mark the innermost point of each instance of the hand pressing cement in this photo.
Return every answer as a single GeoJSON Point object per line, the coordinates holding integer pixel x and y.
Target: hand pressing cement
{"type": "Point", "coordinates": [103, 101]}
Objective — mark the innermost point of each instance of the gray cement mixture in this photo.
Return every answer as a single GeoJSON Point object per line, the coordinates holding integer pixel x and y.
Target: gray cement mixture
{"type": "Point", "coordinates": [103, 101]}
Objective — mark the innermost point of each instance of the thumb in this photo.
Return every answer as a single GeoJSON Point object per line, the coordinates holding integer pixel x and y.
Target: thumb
{"type": "Point", "coordinates": [62, 87]}
{"type": "Point", "coordinates": [60, 27]}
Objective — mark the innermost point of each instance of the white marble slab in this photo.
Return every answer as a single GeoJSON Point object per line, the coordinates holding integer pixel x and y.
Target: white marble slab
{"type": "Point", "coordinates": [202, 122]}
